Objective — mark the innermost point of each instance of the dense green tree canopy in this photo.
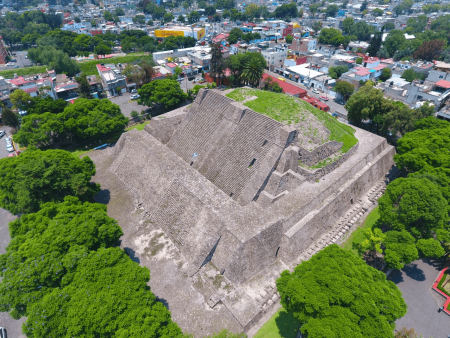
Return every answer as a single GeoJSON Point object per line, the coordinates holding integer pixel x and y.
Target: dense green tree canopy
{"type": "Point", "coordinates": [10, 118]}
{"type": "Point", "coordinates": [400, 249]}
{"type": "Point", "coordinates": [45, 245]}
{"type": "Point", "coordinates": [40, 105]}
{"type": "Point", "coordinates": [415, 205]}
{"type": "Point", "coordinates": [85, 119]}
{"type": "Point", "coordinates": [424, 148]}
{"type": "Point", "coordinates": [336, 294]}
{"type": "Point", "coordinates": [104, 294]}
{"type": "Point", "coordinates": [36, 177]}
{"type": "Point", "coordinates": [166, 92]}
{"type": "Point", "coordinates": [336, 72]}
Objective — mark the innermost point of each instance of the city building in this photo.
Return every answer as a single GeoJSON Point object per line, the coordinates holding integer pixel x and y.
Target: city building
{"type": "Point", "coordinates": [275, 56]}
{"type": "Point", "coordinates": [197, 32]}
{"type": "Point", "coordinates": [113, 81]}
{"type": "Point", "coordinates": [304, 45]}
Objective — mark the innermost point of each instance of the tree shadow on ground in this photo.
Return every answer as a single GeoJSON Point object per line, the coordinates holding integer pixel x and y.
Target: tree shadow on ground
{"type": "Point", "coordinates": [132, 254]}
{"type": "Point", "coordinates": [287, 325]}
{"type": "Point", "coordinates": [439, 263]}
{"type": "Point", "coordinates": [396, 276]}
{"type": "Point", "coordinates": [414, 272]}
{"type": "Point", "coordinates": [103, 196]}
{"type": "Point", "coordinates": [163, 301]}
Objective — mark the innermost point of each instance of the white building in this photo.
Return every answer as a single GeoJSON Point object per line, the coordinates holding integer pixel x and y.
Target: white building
{"type": "Point", "coordinates": [275, 56]}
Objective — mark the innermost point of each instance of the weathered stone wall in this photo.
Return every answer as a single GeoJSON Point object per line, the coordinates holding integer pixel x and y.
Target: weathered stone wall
{"type": "Point", "coordinates": [319, 219]}
{"type": "Point", "coordinates": [244, 260]}
{"type": "Point", "coordinates": [322, 152]}
{"type": "Point", "coordinates": [317, 174]}
{"type": "Point", "coordinates": [162, 127]}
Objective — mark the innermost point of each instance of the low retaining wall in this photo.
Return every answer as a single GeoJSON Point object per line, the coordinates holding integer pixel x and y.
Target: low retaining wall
{"type": "Point", "coordinates": [435, 288]}
{"type": "Point", "coordinates": [322, 152]}
{"type": "Point", "coordinates": [317, 174]}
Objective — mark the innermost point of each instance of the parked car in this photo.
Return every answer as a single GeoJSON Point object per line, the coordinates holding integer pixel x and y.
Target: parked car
{"type": "Point", "coordinates": [323, 97]}
{"type": "Point", "coordinates": [341, 102]}
{"type": "Point", "coordinates": [191, 78]}
{"type": "Point", "coordinates": [315, 91]}
{"type": "Point", "coordinates": [133, 91]}
{"type": "Point", "coordinates": [10, 148]}
{"type": "Point", "coordinates": [135, 96]}
{"type": "Point", "coordinates": [8, 139]}
{"type": "Point", "coordinates": [2, 133]}
{"type": "Point", "coordinates": [2, 332]}
{"type": "Point", "coordinates": [198, 79]}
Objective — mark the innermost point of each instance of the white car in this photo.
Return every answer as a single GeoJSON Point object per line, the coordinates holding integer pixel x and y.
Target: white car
{"type": "Point", "coordinates": [133, 91]}
{"type": "Point", "coordinates": [2, 133]}
{"type": "Point", "coordinates": [315, 91]}
{"type": "Point", "coordinates": [10, 148]}
{"type": "Point", "coordinates": [2, 332]}
{"type": "Point", "coordinates": [135, 96]}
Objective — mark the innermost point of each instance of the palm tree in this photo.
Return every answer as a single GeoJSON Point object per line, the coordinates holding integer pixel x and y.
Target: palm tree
{"type": "Point", "coordinates": [254, 69]}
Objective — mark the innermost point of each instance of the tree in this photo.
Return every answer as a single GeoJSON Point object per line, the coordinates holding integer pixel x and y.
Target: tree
{"type": "Point", "coordinates": [377, 12]}
{"type": "Point", "coordinates": [415, 205]}
{"type": "Point", "coordinates": [375, 43]}
{"type": "Point", "coordinates": [316, 26]}
{"type": "Point", "coordinates": [332, 10]}
{"type": "Point", "coordinates": [166, 92]}
{"type": "Point", "coordinates": [394, 41]}
{"type": "Point", "coordinates": [388, 26]}
{"type": "Point", "coordinates": [193, 17]}
{"type": "Point", "coordinates": [254, 69]}
{"type": "Point", "coordinates": [40, 105]}
{"type": "Point", "coordinates": [344, 88]}
{"type": "Point", "coordinates": [102, 49]}
{"type": "Point", "coordinates": [385, 74]}
{"type": "Point", "coordinates": [430, 248]}
{"type": "Point", "coordinates": [367, 103]}
{"type": "Point", "coordinates": [289, 38]}
{"type": "Point", "coordinates": [313, 8]}
{"type": "Point", "coordinates": [329, 295]}
{"type": "Point", "coordinates": [36, 177]}
{"type": "Point", "coordinates": [410, 75]}
{"type": "Point", "coordinates": [400, 249]}
{"type": "Point", "coordinates": [180, 18]}
{"type": "Point", "coordinates": [50, 236]}
{"type": "Point", "coordinates": [363, 6]}
{"type": "Point", "coordinates": [336, 72]}
{"type": "Point", "coordinates": [286, 11]}
{"type": "Point", "coordinates": [105, 290]}
{"type": "Point", "coordinates": [119, 11]}
{"type": "Point", "coordinates": [77, 19]}
{"type": "Point", "coordinates": [85, 119]}
{"type": "Point", "coordinates": [10, 118]}
{"type": "Point", "coordinates": [429, 50]}
{"type": "Point", "coordinates": [168, 17]}
{"type": "Point", "coordinates": [107, 16]}
{"type": "Point", "coordinates": [20, 99]}
{"type": "Point", "coordinates": [84, 88]}
{"type": "Point", "coordinates": [217, 66]}
{"type": "Point", "coordinates": [347, 25]}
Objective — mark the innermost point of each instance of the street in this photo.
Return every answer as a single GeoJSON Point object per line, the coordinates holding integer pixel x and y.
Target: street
{"type": "Point", "coordinates": [334, 106]}
{"type": "Point", "coordinates": [21, 61]}
{"type": "Point", "coordinates": [3, 151]}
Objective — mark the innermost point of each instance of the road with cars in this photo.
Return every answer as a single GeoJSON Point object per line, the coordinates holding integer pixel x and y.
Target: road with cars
{"type": "Point", "coordinates": [21, 61]}
{"type": "Point", "coordinates": [334, 104]}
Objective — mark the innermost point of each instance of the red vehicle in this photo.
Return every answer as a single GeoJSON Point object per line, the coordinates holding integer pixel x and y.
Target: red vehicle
{"type": "Point", "coordinates": [323, 97]}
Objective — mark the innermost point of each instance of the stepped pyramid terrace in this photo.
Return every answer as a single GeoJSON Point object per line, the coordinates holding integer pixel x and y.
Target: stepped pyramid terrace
{"type": "Point", "coordinates": [219, 197]}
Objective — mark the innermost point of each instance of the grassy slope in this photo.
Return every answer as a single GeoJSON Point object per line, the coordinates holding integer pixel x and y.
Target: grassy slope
{"type": "Point", "coordinates": [140, 126]}
{"type": "Point", "coordinates": [287, 109]}
{"type": "Point", "coordinates": [23, 71]}
{"type": "Point", "coordinates": [357, 236]}
{"type": "Point", "coordinates": [281, 325]}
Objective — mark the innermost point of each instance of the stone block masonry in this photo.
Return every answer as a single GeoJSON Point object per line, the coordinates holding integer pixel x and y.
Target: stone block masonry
{"type": "Point", "coordinates": [241, 204]}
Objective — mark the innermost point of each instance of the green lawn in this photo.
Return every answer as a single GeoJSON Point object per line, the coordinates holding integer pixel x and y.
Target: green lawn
{"type": "Point", "coordinates": [23, 71]}
{"type": "Point", "coordinates": [287, 109]}
{"type": "Point", "coordinates": [281, 325]}
{"type": "Point", "coordinates": [89, 67]}
{"type": "Point", "coordinates": [357, 236]}
{"type": "Point", "coordinates": [140, 126]}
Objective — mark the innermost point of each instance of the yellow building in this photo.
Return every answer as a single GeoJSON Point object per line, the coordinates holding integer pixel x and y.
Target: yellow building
{"type": "Point", "coordinates": [196, 33]}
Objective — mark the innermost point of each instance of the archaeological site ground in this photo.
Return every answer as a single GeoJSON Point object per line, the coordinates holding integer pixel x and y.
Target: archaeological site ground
{"type": "Point", "coordinates": [219, 197]}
